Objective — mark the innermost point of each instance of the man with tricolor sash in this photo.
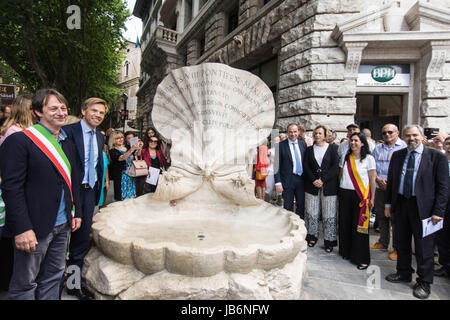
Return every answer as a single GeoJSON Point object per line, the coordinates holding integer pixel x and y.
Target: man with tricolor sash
{"type": "Point", "coordinates": [37, 166]}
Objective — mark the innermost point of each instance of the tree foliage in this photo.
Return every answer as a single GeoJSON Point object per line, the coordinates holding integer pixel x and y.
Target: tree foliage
{"type": "Point", "coordinates": [37, 44]}
{"type": "Point", "coordinates": [9, 76]}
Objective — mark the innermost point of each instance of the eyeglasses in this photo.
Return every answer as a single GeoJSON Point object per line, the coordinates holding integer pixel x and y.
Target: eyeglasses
{"type": "Point", "coordinates": [154, 141]}
{"type": "Point", "coordinates": [387, 132]}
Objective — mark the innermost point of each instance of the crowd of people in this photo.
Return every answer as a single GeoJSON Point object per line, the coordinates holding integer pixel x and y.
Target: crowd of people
{"type": "Point", "coordinates": [342, 187]}
{"type": "Point", "coordinates": [56, 169]}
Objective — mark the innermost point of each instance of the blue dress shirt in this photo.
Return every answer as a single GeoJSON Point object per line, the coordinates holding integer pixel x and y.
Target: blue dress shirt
{"type": "Point", "coordinates": [383, 154]}
{"type": "Point", "coordinates": [86, 136]}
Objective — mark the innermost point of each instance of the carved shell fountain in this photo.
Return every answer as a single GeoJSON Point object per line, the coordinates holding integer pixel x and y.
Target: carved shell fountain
{"type": "Point", "coordinates": [202, 234]}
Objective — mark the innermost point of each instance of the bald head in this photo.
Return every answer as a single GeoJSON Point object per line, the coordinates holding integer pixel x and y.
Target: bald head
{"type": "Point", "coordinates": [390, 134]}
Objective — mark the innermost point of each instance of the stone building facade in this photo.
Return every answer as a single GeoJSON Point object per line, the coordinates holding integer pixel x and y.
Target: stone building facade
{"type": "Point", "coordinates": [331, 62]}
{"type": "Point", "coordinates": [129, 76]}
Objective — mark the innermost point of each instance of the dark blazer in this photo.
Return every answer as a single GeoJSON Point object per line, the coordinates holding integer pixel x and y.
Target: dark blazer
{"type": "Point", "coordinates": [431, 186]}
{"type": "Point", "coordinates": [116, 166]}
{"type": "Point", "coordinates": [75, 134]}
{"type": "Point", "coordinates": [328, 172]}
{"type": "Point", "coordinates": [31, 186]}
{"type": "Point", "coordinates": [284, 162]}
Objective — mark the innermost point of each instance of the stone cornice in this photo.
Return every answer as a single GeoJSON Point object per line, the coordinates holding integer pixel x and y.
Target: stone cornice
{"type": "Point", "coordinates": [358, 21]}
{"type": "Point", "coordinates": [140, 7]}
{"type": "Point", "coordinates": [425, 10]}
{"type": "Point", "coordinates": [395, 37]}
{"type": "Point", "coordinates": [128, 82]}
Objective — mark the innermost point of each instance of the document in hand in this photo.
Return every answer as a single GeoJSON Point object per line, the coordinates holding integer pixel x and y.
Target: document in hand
{"type": "Point", "coordinates": [428, 227]}
{"type": "Point", "coordinates": [153, 174]}
{"type": "Point", "coordinates": [133, 141]}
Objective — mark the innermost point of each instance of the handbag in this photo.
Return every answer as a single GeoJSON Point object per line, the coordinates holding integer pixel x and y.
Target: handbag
{"type": "Point", "coordinates": [138, 169]}
{"type": "Point", "coordinates": [263, 171]}
{"type": "Point", "coordinates": [262, 174]}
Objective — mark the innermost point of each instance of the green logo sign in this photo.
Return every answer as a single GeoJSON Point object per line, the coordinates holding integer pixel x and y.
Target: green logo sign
{"type": "Point", "coordinates": [383, 73]}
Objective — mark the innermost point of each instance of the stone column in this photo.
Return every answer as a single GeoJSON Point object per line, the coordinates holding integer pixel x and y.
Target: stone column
{"type": "Point", "coordinates": [435, 104]}
{"type": "Point", "coordinates": [248, 8]}
{"type": "Point", "coordinates": [193, 51]}
{"type": "Point", "coordinates": [317, 78]}
{"type": "Point", "coordinates": [195, 8]}
{"type": "Point", "coordinates": [214, 30]}
{"type": "Point", "coordinates": [180, 15]}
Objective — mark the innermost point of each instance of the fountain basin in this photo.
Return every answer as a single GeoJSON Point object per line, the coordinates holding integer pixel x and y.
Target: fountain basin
{"type": "Point", "coordinates": [197, 242]}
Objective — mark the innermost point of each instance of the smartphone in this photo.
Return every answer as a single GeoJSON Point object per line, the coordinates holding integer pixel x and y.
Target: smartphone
{"type": "Point", "coordinates": [429, 132]}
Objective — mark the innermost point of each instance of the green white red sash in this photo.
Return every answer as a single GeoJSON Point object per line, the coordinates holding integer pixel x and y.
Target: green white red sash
{"type": "Point", "coordinates": [45, 141]}
{"type": "Point", "coordinates": [363, 194]}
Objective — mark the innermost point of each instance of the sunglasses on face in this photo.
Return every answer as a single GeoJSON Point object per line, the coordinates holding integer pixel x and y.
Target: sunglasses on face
{"type": "Point", "coordinates": [154, 141]}
{"type": "Point", "coordinates": [387, 132]}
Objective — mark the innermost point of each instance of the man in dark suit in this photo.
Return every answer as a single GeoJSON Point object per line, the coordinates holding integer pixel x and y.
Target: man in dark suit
{"type": "Point", "coordinates": [417, 189]}
{"type": "Point", "coordinates": [289, 170]}
{"type": "Point", "coordinates": [89, 145]}
{"type": "Point", "coordinates": [443, 237]}
{"type": "Point", "coordinates": [37, 190]}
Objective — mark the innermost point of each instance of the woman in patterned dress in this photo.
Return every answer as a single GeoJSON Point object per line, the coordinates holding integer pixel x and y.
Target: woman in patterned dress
{"type": "Point", "coordinates": [321, 188]}
{"type": "Point", "coordinates": [121, 161]}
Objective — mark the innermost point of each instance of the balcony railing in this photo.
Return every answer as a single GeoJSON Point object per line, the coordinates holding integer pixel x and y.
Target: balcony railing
{"type": "Point", "coordinates": [166, 34]}
{"type": "Point", "coordinates": [161, 33]}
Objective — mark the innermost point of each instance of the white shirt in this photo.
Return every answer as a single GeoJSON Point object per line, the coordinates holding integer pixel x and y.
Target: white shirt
{"type": "Point", "coordinates": [319, 152]}
{"type": "Point", "coordinates": [362, 167]}
{"type": "Point", "coordinates": [343, 148]}
{"type": "Point", "coordinates": [269, 156]}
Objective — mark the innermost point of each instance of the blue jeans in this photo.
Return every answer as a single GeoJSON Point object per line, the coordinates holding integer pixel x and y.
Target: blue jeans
{"type": "Point", "coordinates": [37, 275]}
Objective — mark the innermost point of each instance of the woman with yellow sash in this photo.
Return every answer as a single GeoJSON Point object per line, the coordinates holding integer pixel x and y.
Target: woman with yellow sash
{"type": "Point", "coordinates": [356, 198]}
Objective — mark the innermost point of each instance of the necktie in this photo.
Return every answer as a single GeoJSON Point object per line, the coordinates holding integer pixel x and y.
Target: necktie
{"type": "Point", "coordinates": [91, 162]}
{"type": "Point", "coordinates": [298, 163]}
{"type": "Point", "coordinates": [408, 182]}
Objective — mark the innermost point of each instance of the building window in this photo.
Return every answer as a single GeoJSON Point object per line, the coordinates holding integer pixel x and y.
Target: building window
{"type": "Point", "coordinates": [268, 72]}
{"type": "Point", "coordinates": [233, 18]}
{"type": "Point", "coordinates": [374, 111]}
{"type": "Point", "coordinates": [202, 45]}
{"type": "Point", "coordinates": [127, 68]}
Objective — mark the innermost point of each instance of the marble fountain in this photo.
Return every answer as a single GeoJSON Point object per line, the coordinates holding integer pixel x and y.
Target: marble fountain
{"type": "Point", "coordinates": [202, 234]}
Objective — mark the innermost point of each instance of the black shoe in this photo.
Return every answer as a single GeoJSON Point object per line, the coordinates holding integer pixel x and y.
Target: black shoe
{"type": "Point", "coordinates": [421, 290]}
{"type": "Point", "coordinates": [396, 277]}
{"type": "Point", "coordinates": [80, 294]}
{"type": "Point", "coordinates": [441, 272]}
{"type": "Point", "coordinates": [311, 243]}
